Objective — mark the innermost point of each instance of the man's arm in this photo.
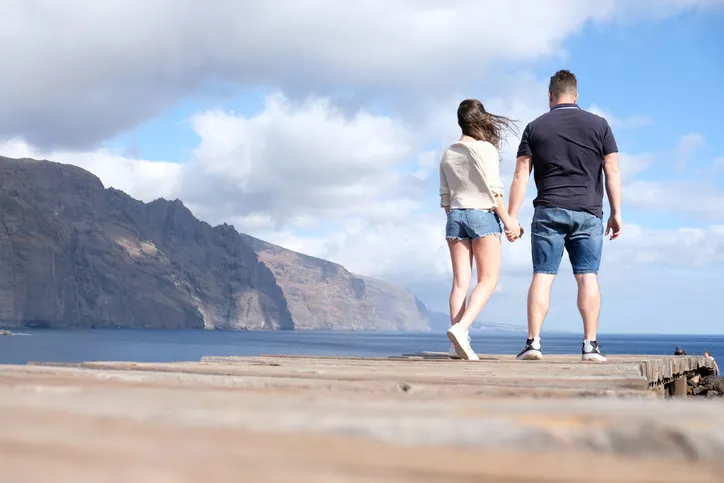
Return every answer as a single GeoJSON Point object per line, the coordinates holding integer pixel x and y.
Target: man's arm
{"type": "Point", "coordinates": [523, 167]}
{"type": "Point", "coordinates": [613, 191]}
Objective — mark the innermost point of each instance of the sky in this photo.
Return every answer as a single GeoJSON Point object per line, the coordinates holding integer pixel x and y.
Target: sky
{"type": "Point", "coordinates": [318, 125]}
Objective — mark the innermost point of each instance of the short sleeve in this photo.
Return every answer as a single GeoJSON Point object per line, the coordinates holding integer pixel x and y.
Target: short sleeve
{"type": "Point", "coordinates": [524, 148]}
{"type": "Point", "coordinates": [609, 142]}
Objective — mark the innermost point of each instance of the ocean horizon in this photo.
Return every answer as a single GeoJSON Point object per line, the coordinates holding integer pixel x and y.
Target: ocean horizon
{"type": "Point", "coordinates": [144, 345]}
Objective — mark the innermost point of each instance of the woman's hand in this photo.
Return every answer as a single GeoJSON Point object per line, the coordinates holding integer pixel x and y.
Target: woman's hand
{"type": "Point", "coordinates": [513, 230]}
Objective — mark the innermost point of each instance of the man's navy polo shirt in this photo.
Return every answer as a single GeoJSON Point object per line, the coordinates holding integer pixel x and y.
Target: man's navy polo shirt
{"type": "Point", "coordinates": [567, 145]}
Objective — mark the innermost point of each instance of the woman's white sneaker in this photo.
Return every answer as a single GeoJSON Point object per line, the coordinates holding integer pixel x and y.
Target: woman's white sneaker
{"type": "Point", "coordinates": [461, 342]}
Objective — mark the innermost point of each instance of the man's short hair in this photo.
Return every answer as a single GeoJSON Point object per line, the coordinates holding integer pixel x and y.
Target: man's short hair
{"type": "Point", "coordinates": [563, 82]}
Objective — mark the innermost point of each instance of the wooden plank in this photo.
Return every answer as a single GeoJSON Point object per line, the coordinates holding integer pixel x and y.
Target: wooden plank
{"type": "Point", "coordinates": [318, 419]}
{"type": "Point", "coordinates": [183, 422]}
{"type": "Point", "coordinates": [423, 378]}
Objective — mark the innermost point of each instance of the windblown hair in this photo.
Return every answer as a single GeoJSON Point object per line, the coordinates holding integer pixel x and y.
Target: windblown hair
{"type": "Point", "coordinates": [563, 82]}
{"type": "Point", "coordinates": [479, 124]}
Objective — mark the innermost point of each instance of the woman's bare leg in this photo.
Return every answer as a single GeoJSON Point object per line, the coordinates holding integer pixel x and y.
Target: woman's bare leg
{"type": "Point", "coordinates": [461, 254]}
{"type": "Point", "coordinates": [486, 251]}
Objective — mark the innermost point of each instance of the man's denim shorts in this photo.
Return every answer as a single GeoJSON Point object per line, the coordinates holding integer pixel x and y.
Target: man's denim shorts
{"type": "Point", "coordinates": [469, 224]}
{"type": "Point", "coordinates": [579, 232]}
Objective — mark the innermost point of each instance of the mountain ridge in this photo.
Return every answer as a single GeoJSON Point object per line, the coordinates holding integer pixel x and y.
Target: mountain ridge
{"type": "Point", "coordinates": [77, 254]}
{"type": "Point", "coordinates": [392, 303]}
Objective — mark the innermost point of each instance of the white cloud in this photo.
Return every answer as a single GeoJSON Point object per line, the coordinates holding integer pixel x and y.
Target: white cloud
{"type": "Point", "coordinates": [631, 122]}
{"type": "Point", "coordinates": [79, 72]}
{"type": "Point", "coordinates": [289, 166]}
{"type": "Point", "coordinates": [145, 180]}
{"type": "Point", "coordinates": [686, 148]}
{"type": "Point", "coordinates": [633, 164]}
{"type": "Point", "coordinates": [697, 197]}
{"type": "Point", "coordinates": [301, 160]}
{"type": "Point", "coordinates": [700, 199]}
{"type": "Point", "coordinates": [719, 163]}
{"type": "Point", "coordinates": [681, 247]}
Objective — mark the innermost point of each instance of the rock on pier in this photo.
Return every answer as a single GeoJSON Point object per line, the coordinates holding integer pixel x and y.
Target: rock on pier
{"type": "Point", "coordinates": [419, 417]}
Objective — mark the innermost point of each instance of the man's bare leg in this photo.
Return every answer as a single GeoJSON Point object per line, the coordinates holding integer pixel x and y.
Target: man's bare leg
{"type": "Point", "coordinates": [539, 300]}
{"type": "Point", "coordinates": [589, 303]}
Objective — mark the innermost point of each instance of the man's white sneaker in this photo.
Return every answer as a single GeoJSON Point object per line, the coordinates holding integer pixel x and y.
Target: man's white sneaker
{"type": "Point", "coordinates": [461, 342]}
{"type": "Point", "coordinates": [592, 353]}
{"type": "Point", "coordinates": [532, 351]}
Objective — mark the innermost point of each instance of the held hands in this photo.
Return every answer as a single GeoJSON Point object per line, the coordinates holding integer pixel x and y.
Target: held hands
{"type": "Point", "coordinates": [513, 230]}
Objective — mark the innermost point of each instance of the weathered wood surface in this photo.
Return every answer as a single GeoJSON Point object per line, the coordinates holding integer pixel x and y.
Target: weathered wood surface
{"type": "Point", "coordinates": [335, 419]}
{"type": "Point", "coordinates": [433, 373]}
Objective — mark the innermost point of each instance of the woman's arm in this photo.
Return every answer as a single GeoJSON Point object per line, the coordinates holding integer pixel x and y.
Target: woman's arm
{"type": "Point", "coordinates": [444, 191]}
{"type": "Point", "coordinates": [509, 223]}
{"type": "Point", "coordinates": [490, 165]}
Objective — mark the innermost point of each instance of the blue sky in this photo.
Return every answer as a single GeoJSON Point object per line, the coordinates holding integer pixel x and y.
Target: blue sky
{"type": "Point", "coordinates": [326, 140]}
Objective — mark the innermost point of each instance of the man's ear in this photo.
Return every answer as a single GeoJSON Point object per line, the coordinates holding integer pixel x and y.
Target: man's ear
{"type": "Point", "coordinates": [575, 98]}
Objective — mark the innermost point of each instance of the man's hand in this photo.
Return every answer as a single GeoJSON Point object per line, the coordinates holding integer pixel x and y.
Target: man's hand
{"type": "Point", "coordinates": [614, 226]}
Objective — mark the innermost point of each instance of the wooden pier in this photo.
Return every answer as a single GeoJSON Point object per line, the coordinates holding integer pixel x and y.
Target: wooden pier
{"type": "Point", "coordinates": [417, 417]}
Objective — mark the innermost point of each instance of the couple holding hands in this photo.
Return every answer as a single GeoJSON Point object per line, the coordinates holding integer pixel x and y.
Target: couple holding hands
{"type": "Point", "coordinates": [572, 154]}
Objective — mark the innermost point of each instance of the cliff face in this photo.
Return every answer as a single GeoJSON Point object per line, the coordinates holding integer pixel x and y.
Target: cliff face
{"type": "Point", "coordinates": [74, 254]}
{"type": "Point", "coordinates": [324, 295]}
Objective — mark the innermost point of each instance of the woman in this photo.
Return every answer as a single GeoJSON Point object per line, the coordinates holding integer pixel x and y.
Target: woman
{"type": "Point", "coordinates": [707, 354]}
{"type": "Point", "coordinates": [472, 194]}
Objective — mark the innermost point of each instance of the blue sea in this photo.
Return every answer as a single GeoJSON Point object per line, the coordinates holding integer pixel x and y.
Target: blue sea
{"type": "Point", "coordinates": [171, 345]}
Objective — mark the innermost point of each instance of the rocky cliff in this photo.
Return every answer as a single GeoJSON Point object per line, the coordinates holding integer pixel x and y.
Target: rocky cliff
{"type": "Point", "coordinates": [75, 254]}
{"type": "Point", "coordinates": [324, 295]}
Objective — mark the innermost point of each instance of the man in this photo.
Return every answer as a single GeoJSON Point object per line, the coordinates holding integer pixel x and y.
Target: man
{"type": "Point", "coordinates": [568, 150]}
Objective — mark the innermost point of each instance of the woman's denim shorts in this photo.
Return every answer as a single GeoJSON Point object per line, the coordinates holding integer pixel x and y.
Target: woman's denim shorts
{"type": "Point", "coordinates": [469, 224]}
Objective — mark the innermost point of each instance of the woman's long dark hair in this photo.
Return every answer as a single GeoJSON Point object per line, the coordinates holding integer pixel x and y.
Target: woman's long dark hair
{"type": "Point", "coordinates": [479, 124]}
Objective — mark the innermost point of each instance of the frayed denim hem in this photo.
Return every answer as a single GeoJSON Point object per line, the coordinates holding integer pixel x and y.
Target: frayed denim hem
{"type": "Point", "coordinates": [461, 238]}
{"type": "Point", "coordinates": [545, 272]}
{"type": "Point", "coordinates": [585, 272]}
{"type": "Point", "coordinates": [492, 233]}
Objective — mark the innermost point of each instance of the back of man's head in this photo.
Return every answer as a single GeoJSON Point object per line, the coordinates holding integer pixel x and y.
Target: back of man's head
{"type": "Point", "coordinates": [563, 87]}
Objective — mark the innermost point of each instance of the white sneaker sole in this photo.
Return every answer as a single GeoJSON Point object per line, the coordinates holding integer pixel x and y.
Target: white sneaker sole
{"type": "Point", "coordinates": [460, 349]}
{"type": "Point", "coordinates": [532, 355]}
{"type": "Point", "coordinates": [593, 358]}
